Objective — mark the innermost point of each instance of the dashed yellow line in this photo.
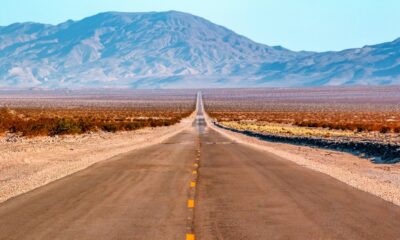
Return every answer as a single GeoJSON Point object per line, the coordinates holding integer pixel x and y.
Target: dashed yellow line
{"type": "Point", "coordinates": [190, 236]}
{"type": "Point", "coordinates": [191, 203]}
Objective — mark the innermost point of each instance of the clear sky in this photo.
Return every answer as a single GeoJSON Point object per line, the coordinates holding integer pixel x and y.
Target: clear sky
{"type": "Point", "coordinates": [317, 25]}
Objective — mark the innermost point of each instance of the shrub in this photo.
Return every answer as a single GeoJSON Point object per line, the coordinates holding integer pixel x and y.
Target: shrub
{"type": "Point", "coordinates": [361, 129]}
{"type": "Point", "coordinates": [49, 121]}
{"type": "Point", "coordinates": [132, 126]}
{"type": "Point", "coordinates": [109, 127]}
{"type": "Point", "coordinates": [384, 130]}
{"type": "Point", "coordinates": [86, 125]}
{"type": "Point", "coordinates": [65, 126]}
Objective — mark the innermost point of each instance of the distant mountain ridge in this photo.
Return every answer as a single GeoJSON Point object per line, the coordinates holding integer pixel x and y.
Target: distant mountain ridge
{"type": "Point", "coordinates": [174, 50]}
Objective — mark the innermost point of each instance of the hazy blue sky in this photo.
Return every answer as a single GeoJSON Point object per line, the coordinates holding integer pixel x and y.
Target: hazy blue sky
{"type": "Point", "coordinates": [318, 25]}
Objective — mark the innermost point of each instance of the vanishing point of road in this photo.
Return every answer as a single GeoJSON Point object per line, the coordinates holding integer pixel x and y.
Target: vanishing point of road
{"type": "Point", "coordinates": [198, 184]}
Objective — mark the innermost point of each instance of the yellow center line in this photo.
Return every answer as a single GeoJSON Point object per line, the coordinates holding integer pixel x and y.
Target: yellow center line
{"type": "Point", "coordinates": [190, 236]}
{"type": "Point", "coordinates": [191, 203]}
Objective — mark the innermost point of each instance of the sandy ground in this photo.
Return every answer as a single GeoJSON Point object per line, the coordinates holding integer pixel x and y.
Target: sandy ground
{"type": "Point", "coordinates": [30, 163]}
{"type": "Point", "coordinates": [382, 180]}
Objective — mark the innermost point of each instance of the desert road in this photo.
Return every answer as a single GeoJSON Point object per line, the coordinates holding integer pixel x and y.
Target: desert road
{"type": "Point", "coordinates": [198, 185]}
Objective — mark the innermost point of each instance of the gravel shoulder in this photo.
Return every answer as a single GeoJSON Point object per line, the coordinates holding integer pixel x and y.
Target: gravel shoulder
{"type": "Point", "coordinates": [30, 163]}
{"type": "Point", "coordinates": [382, 180]}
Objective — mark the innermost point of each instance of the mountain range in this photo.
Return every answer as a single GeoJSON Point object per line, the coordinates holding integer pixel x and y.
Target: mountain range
{"type": "Point", "coordinates": [174, 50]}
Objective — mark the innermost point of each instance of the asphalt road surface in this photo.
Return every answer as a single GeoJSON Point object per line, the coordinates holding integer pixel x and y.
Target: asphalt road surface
{"type": "Point", "coordinates": [198, 184]}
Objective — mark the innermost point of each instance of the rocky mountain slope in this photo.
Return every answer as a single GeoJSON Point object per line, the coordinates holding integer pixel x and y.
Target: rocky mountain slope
{"type": "Point", "coordinates": [174, 49]}
{"type": "Point", "coordinates": [369, 65]}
